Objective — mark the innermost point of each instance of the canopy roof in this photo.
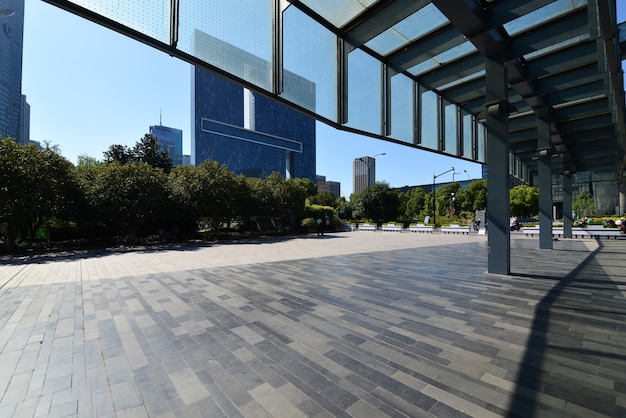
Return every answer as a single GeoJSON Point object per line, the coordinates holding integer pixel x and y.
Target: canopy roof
{"type": "Point", "coordinates": [412, 71]}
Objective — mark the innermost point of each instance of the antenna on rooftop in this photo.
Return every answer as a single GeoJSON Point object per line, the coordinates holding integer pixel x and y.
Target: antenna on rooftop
{"type": "Point", "coordinates": [160, 118]}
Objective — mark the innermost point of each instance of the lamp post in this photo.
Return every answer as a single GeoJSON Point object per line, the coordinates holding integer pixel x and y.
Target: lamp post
{"type": "Point", "coordinates": [435, 196]}
{"type": "Point", "coordinates": [468, 176]}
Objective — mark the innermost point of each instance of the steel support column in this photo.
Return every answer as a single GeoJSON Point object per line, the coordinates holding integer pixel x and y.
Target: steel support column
{"type": "Point", "coordinates": [567, 205]}
{"type": "Point", "coordinates": [498, 207]}
{"type": "Point", "coordinates": [544, 155]}
{"type": "Point", "coordinates": [622, 196]}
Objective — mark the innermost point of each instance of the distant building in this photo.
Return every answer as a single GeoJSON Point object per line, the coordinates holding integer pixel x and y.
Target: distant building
{"type": "Point", "coordinates": [186, 159]}
{"type": "Point", "coordinates": [330, 186]}
{"type": "Point", "coordinates": [11, 44]}
{"type": "Point", "coordinates": [170, 140]}
{"type": "Point", "coordinates": [24, 133]}
{"type": "Point", "coordinates": [363, 173]}
{"type": "Point", "coordinates": [249, 133]}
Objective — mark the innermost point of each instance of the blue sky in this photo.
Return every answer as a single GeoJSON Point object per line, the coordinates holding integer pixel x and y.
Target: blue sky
{"type": "Point", "coordinates": [90, 87]}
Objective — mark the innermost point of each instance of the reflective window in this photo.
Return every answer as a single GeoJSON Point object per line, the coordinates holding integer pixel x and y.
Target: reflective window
{"type": "Point", "coordinates": [402, 108]}
{"type": "Point", "coordinates": [481, 142]}
{"type": "Point", "coordinates": [213, 32]}
{"type": "Point", "coordinates": [542, 15]}
{"type": "Point", "coordinates": [150, 17]}
{"type": "Point", "coordinates": [468, 128]}
{"type": "Point", "coordinates": [450, 129]}
{"type": "Point", "coordinates": [430, 123]}
{"type": "Point", "coordinates": [364, 92]}
{"type": "Point", "coordinates": [310, 63]}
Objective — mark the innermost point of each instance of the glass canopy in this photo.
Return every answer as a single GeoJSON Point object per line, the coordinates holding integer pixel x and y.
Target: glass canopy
{"type": "Point", "coordinates": [410, 72]}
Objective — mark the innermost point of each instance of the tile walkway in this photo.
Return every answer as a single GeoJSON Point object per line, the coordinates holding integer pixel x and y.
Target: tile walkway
{"type": "Point", "coordinates": [348, 325]}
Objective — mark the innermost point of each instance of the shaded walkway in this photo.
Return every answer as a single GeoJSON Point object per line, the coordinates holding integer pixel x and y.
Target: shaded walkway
{"type": "Point", "coordinates": [355, 324]}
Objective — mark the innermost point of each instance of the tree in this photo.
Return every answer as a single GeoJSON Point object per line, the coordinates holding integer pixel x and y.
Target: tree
{"type": "Point", "coordinates": [475, 196]}
{"type": "Point", "coordinates": [584, 205]}
{"type": "Point", "coordinates": [378, 202]}
{"type": "Point", "coordinates": [146, 150]}
{"type": "Point", "coordinates": [416, 198]}
{"type": "Point", "coordinates": [524, 200]}
{"type": "Point", "coordinates": [34, 185]}
{"type": "Point", "coordinates": [311, 188]}
{"type": "Point", "coordinates": [128, 196]}
{"type": "Point", "coordinates": [323, 198]}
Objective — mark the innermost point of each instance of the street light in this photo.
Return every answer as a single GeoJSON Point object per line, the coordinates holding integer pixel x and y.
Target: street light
{"type": "Point", "coordinates": [6, 12]}
{"type": "Point", "coordinates": [468, 176]}
{"type": "Point", "coordinates": [435, 195]}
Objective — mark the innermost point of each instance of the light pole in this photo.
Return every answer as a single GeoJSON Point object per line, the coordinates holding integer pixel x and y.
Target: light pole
{"type": "Point", "coordinates": [435, 196]}
{"type": "Point", "coordinates": [468, 176]}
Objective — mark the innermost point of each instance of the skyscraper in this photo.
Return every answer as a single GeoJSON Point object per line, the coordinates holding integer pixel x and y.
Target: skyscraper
{"type": "Point", "coordinates": [363, 173]}
{"type": "Point", "coordinates": [249, 133]}
{"type": "Point", "coordinates": [11, 42]}
{"type": "Point", "coordinates": [170, 140]}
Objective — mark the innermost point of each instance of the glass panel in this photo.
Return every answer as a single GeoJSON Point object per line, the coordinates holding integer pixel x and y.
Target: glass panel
{"type": "Point", "coordinates": [402, 108]}
{"type": "Point", "coordinates": [481, 143]}
{"type": "Point", "coordinates": [450, 55]}
{"type": "Point", "coordinates": [451, 133]}
{"type": "Point", "coordinates": [364, 92]}
{"type": "Point", "coordinates": [462, 80]}
{"type": "Point", "coordinates": [430, 122]}
{"type": "Point", "coordinates": [542, 15]}
{"type": "Point", "coordinates": [150, 17]}
{"type": "Point", "coordinates": [338, 12]}
{"type": "Point", "coordinates": [468, 128]}
{"type": "Point", "coordinates": [235, 37]}
{"type": "Point", "coordinates": [310, 62]}
{"type": "Point", "coordinates": [420, 23]}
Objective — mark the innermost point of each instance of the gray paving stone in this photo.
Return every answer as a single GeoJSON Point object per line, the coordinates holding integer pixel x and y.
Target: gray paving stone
{"type": "Point", "coordinates": [353, 325]}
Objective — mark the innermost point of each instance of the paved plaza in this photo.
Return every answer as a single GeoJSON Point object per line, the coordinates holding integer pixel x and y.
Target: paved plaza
{"type": "Point", "coordinates": [356, 324]}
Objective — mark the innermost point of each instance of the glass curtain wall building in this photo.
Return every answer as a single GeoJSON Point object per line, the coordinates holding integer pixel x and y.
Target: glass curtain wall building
{"type": "Point", "coordinates": [251, 134]}
{"type": "Point", "coordinates": [170, 140]}
{"type": "Point", "coordinates": [11, 44]}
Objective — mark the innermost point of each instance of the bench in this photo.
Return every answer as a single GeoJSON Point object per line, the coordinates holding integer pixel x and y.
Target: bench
{"type": "Point", "coordinates": [367, 227]}
{"type": "Point", "coordinates": [392, 228]}
{"type": "Point", "coordinates": [455, 229]}
{"type": "Point", "coordinates": [422, 228]}
{"type": "Point", "coordinates": [577, 232]}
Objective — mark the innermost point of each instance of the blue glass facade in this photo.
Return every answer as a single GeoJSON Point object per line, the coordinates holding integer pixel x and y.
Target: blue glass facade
{"type": "Point", "coordinates": [251, 134]}
{"type": "Point", "coordinates": [11, 44]}
{"type": "Point", "coordinates": [170, 140]}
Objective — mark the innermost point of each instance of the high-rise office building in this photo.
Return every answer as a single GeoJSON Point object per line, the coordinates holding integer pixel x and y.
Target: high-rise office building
{"type": "Point", "coordinates": [363, 173]}
{"type": "Point", "coordinates": [11, 42]}
{"type": "Point", "coordinates": [328, 186]}
{"type": "Point", "coordinates": [170, 140]}
{"type": "Point", "coordinates": [24, 132]}
{"type": "Point", "coordinates": [249, 133]}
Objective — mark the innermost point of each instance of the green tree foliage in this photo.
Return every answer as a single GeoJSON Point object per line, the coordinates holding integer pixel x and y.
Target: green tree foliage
{"type": "Point", "coordinates": [128, 196]}
{"type": "Point", "coordinates": [311, 188]}
{"type": "Point", "coordinates": [207, 190]}
{"type": "Point", "coordinates": [416, 199]}
{"type": "Point", "coordinates": [378, 202]}
{"type": "Point", "coordinates": [444, 198]}
{"type": "Point", "coordinates": [323, 198]}
{"type": "Point", "coordinates": [35, 184]}
{"type": "Point", "coordinates": [475, 196]}
{"type": "Point", "coordinates": [344, 209]}
{"type": "Point", "coordinates": [146, 150]}
{"type": "Point", "coordinates": [584, 205]}
{"type": "Point", "coordinates": [524, 200]}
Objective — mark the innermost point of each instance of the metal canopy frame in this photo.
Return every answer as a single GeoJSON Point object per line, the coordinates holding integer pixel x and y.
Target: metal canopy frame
{"type": "Point", "coordinates": [562, 57]}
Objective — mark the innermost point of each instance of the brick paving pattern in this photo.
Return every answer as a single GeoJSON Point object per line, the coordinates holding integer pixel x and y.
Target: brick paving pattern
{"type": "Point", "coordinates": [347, 325]}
